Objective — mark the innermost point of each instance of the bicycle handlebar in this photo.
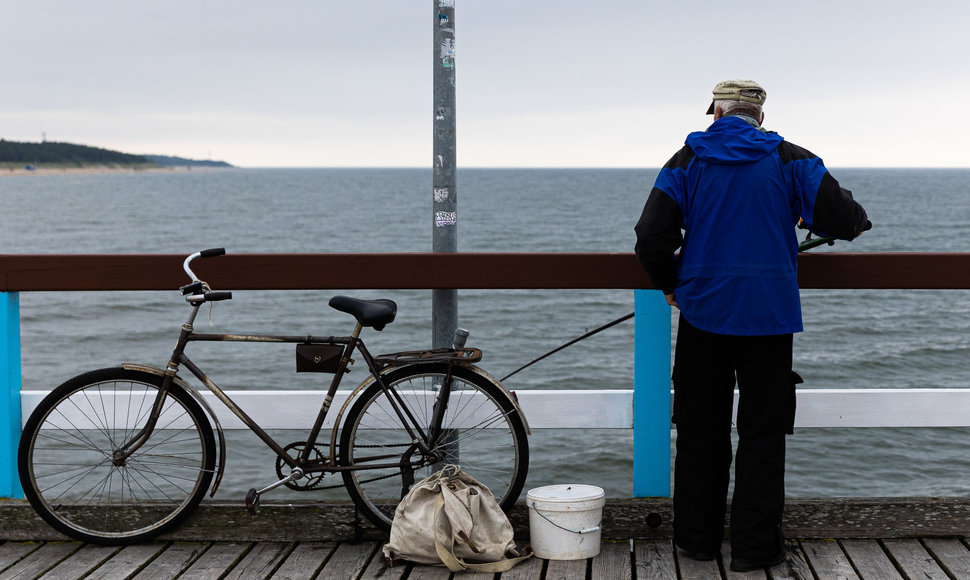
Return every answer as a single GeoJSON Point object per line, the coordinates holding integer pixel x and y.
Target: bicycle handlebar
{"type": "Point", "coordinates": [210, 253]}
{"type": "Point", "coordinates": [198, 291]}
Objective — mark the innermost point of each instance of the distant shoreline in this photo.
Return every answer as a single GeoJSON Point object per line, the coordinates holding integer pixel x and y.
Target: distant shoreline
{"type": "Point", "coordinates": [101, 169]}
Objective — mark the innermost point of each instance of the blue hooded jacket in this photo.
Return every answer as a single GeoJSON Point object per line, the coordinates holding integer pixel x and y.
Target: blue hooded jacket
{"type": "Point", "coordinates": [737, 193]}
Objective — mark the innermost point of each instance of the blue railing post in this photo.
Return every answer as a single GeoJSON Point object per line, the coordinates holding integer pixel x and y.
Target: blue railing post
{"type": "Point", "coordinates": [651, 395]}
{"type": "Point", "coordinates": [9, 393]}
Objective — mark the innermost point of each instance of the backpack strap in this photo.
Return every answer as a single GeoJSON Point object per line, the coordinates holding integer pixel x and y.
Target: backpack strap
{"type": "Point", "coordinates": [456, 564]}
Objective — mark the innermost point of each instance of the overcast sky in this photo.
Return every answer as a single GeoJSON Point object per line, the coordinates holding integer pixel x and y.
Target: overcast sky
{"type": "Point", "coordinates": [540, 83]}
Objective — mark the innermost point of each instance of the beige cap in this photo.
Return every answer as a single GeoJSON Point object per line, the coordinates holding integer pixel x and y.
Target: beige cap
{"type": "Point", "coordinates": [737, 90]}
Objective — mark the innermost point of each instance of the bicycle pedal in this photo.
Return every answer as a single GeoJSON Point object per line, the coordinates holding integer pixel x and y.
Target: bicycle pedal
{"type": "Point", "coordinates": [252, 501]}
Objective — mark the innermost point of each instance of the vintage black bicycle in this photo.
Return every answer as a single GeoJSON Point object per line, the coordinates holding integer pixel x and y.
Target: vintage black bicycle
{"type": "Point", "coordinates": [119, 455]}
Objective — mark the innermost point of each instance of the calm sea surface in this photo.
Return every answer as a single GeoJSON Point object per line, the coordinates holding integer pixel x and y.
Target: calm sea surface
{"type": "Point", "coordinates": [853, 339]}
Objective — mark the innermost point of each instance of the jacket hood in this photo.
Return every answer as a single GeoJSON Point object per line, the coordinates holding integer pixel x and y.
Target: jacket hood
{"type": "Point", "coordinates": [732, 141]}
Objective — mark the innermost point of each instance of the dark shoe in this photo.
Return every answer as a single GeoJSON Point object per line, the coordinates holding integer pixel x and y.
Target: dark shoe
{"type": "Point", "coordinates": [742, 565]}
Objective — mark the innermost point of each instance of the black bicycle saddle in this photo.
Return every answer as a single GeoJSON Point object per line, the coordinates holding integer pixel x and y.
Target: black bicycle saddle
{"type": "Point", "coordinates": [373, 313]}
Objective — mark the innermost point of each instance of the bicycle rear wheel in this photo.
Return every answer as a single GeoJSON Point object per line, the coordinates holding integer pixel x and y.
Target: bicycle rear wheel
{"type": "Point", "coordinates": [482, 432]}
{"type": "Point", "coordinates": [69, 474]}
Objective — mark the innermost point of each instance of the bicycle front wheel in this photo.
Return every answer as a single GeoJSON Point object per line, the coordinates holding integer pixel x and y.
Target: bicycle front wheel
{"type": "Point", "coordinates": [481, 431]}
{"type": "Point", "coordinates": [72, 478]}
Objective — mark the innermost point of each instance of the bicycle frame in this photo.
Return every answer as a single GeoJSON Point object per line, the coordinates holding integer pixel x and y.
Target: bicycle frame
{"type": "Point", "coordinates": [350, 343]}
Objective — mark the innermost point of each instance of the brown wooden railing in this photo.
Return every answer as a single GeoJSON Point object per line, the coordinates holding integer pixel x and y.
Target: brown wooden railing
{"type": "Point", "coordinates": [46, 272]}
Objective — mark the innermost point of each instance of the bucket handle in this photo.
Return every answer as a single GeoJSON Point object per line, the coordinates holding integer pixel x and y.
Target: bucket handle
{"type": "Point", "coordinates": [584, 531]}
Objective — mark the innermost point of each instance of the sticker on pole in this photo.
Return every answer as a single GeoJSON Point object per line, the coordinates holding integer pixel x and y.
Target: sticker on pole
{"type": "Point", "coordinates": [445, 218]}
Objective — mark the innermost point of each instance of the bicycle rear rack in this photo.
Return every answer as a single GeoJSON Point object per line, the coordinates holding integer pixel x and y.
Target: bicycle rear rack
{"type": "Point", "coordinates": [438, 355]}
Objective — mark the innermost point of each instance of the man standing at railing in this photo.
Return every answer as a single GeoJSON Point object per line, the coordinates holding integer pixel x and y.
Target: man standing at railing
{"type": "Point", "coordinates": [737, 192]}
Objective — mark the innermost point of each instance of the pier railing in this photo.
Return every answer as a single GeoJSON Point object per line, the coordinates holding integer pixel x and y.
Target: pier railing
{"type": "Point", "coordinates": [645, 408]}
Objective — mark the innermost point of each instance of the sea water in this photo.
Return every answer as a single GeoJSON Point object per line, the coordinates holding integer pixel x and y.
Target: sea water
{"type": "Point", "coordinates": [853, 338]}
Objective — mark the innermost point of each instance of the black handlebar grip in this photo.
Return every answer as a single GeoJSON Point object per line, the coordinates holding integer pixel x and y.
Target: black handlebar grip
{"type": "Point", "coordinates": [217, 296]}
{"type": "Point", "coordinates": [212, 252]}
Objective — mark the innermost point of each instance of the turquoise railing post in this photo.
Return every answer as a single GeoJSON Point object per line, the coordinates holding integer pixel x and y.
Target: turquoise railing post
{"type": "Point", "coordinates": [9, 393]}
{"type": "Point", "coordinates": [651, 395]}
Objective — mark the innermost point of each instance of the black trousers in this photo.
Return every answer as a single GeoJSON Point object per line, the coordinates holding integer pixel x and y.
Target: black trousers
{"type": "Point", "coordinates": [705, 367]}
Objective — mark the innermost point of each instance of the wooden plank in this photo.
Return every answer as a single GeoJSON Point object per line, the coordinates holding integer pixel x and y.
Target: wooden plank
{"type": "Point", "coordinates": [10, 385]}
{"type": "Point", "coordinates": [378, 569]}
{"type": "Point", "coordinates": [127, 561]}
{"type": "Point", "coordinates": [930, 407]}
{"type": "Point", "coordinates": [304, 561]}
{"type": "Point", "coordinates": [420, 572]}
{"type": "Point", "coordinates": [215, 561]}
{"type": "Point", "coordinates": [696, 569]}
{"type": "Point", "coordinates": [487, 270]}
{"type": "Point", "coordinates": [870, 559]}
{"type": "Point", "coordinates": [828, 560]}
{"type": "Point", "coordinates": [613, 562]}
{"type": "Point", "coordinates": [914, 560]}
{"type": "Point", "coordinates": [474, 575]}
{"type": "Point", "coordinates": [893, 517]}
{"type": "Point", "coordinates": [565, 569]}
{"type": "Point", "coordinates": [260, 561]}
{"type": "Point", "coordinates": [655, 560]}
{"type": "Point", "coordinates": [530, 569]}
{"type": "Point", "coordinates": [555, 409]}
{"type": "Point", "coordinates": [11, 552]}
{"type": "Point", "coordinates": [623, 519]}
{"type": "Point", "coordinates": [81, 562]}
{"type": "Point", "coordinates": [903, 270]}
{"type": "Point", "coordinates": [952, 555]}
{"type": "Point", "coordinates": [44, 272]}
{"type": "Point", "coordinates": [795, 566]}
{"type": "Point", "coordinates": [40, 560]}
{"type": "Point", "coordinates": [171, 562]}
{"type": "Point", "coordinates": [613, 408]}
{"type": "Point", "coordinates": [348, 561]}
{"type": "Point", "coordinates": [731, 575]}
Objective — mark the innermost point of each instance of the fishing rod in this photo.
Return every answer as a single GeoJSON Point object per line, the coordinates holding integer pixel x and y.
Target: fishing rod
{"type": "Point", "coordinates": [570, 343]}
{"type": "Point", "coordinates": [811, 242]}
{"type": "Point", "coordinates": [807, 244]}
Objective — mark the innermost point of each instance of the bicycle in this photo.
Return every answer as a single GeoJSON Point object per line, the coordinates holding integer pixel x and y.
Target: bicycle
{"type": "Point", "coordinates": [120, 455]}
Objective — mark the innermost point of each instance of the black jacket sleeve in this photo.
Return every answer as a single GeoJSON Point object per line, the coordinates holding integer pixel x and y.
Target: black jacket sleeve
{"type": "Point", "coordinates": [658, 237]}
{"type": "Point", "coordinates": [836, 213]}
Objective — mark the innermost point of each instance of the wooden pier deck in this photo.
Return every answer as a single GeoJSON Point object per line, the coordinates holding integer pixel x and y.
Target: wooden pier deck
{"type": "Point", "coordinates": [875, 538]}
{"type": "Point", "coordinates": [640, 559]}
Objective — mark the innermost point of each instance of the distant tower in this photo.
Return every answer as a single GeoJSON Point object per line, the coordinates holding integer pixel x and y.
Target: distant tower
{"type": "Point", "coordinates": [43, 136]}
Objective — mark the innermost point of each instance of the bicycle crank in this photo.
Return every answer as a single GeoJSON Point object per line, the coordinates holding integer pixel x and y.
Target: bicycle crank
{"type": "Point", "coordinates": [252, 497]}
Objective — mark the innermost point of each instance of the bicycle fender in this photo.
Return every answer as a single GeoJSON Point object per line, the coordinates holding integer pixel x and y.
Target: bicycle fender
{"type": "Point", "coordinates": [508, 394]}
{"type": "Point", "coordinates": [340, 415]}
{"type": "Point", "coordinates": [153, 370]}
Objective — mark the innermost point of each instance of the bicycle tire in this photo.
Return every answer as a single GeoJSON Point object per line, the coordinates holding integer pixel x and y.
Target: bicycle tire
{"type": "Point", "coordinates": [65, 458]}
{"type": "Point", "coordinates": [492, 444]}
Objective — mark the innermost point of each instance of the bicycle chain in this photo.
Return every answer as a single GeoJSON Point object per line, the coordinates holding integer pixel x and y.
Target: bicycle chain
{"type": "Point", "coordinates": [315, 484]}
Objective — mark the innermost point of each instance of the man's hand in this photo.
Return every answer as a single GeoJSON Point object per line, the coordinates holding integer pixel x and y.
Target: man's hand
{"type": "Point", "coordinates": [672, 300]}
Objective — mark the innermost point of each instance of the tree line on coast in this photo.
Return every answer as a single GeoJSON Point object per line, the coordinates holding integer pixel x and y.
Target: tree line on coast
{"type": "Point", "coordinates": [69, 154]}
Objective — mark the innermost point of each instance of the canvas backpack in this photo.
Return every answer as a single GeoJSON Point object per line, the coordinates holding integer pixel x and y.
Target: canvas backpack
{"type": "Point", "coordinates": [450, 518]}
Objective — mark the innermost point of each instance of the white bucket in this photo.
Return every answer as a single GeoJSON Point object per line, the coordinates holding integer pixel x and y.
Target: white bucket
{"type": "Point", "coordinates": [564, 521]}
